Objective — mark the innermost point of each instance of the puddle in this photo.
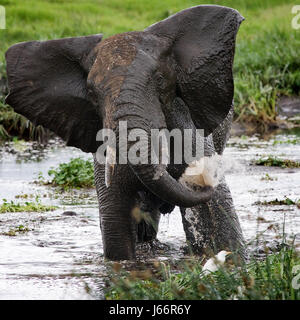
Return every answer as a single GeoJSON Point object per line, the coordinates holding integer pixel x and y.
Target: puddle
{"type": "Point", "coordinates": [61, 256]}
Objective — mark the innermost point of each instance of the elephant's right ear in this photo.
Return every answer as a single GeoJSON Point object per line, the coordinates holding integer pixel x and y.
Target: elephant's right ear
{"type": "Point", "coordinates": [47, 83]}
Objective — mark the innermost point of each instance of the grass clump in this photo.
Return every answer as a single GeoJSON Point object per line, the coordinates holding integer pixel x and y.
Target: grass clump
{"type": "Point", "coordinates": [271, 279]}
{"type": "Point", "coordinates": [78, 173]}
{"type": "Point", "coordinates": [36, 206]}
{"type": "Point", "coordinates": [276, 162]}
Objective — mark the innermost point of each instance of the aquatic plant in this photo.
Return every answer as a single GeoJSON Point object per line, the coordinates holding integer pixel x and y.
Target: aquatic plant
{"type": "Point", "coordinates": [267, 177]}
{"type": "Point", "coordinates": [276, 202]}
{"type": "Point", "coordinates": [78, 173]}
{"type": "Point", "coordinates": [288, 141]}
{"type": "Point", "coordinates": [16, 230]}
{"type": "Point", "coordinates": [36, 206]}
{"type": "Point", "coordinates": [276, 162]}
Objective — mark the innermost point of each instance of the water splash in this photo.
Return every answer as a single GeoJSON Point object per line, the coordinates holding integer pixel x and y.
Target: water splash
{"type": "Point", "coordinates": [210, 171]}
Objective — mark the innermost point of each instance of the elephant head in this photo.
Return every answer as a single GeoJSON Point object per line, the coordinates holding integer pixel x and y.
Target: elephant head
{"type": "Point", "coordinates": [77, 86]}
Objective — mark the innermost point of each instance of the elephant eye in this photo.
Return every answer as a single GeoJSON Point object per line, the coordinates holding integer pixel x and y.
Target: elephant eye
{"type": "Point", "coordinates": [160, 81]}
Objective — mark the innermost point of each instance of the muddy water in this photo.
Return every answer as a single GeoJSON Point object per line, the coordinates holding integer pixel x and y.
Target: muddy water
{"type": "Point", "coordinates": [61, 256]}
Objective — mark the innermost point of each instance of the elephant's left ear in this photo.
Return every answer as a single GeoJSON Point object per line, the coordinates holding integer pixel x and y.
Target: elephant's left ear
{"type": "Point", "coordinates": [47, 83]}
{"type": "Point", "coordinates": [203, 43]}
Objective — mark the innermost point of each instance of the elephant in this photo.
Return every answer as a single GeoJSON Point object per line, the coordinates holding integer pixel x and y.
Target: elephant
{"type": "Point", "coordinates": [177, 73]}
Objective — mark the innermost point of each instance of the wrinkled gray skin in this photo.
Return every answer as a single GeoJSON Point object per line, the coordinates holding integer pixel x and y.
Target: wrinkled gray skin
{"type": "Point", "coordinates": [175, 74]}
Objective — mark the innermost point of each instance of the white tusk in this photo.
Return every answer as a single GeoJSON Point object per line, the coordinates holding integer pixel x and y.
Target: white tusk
{"type": "Point", "coordinates": [110, 161]}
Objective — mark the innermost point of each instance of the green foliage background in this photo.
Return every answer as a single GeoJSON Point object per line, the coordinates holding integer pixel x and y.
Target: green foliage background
{"type": "Point", "coordinates": [267, 62]}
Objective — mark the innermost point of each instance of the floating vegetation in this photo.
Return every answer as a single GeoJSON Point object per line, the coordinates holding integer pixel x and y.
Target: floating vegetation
{"type": "Point", "coordinates": [267, 177]}
{"type": "Point", "coordinates": [276, 162]}
{"type": "Point", "coordinates": [25, 207]}
{"type": "Point", "coordinates": [28, 196]}
{"type": "Point", "coordinates": [276, 202]}
{"type": "Point", "coordinates": [78, 173]}
{"type": "Point", "coordinates": [288, 141]}
{"type": "Point", "coordinates": [78, 199]}
{"type": "Point", "coordinates": [16, 230]}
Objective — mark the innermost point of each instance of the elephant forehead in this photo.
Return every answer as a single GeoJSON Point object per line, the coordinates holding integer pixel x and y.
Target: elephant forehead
{"type": "Point", "coordinates": [116, 51]}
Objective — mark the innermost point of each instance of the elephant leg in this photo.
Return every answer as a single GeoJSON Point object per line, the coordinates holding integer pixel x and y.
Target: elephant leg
{"type": "Point", "coordinates": [117, 225]}
{"type": "Point", "coordinates": [214, 226]}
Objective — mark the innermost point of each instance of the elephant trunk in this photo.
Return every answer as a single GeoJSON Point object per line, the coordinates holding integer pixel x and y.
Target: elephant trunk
{"type": "Point", "coordinates": [161, 183]}
{"type": "Point", "coordinates": [155, 176]}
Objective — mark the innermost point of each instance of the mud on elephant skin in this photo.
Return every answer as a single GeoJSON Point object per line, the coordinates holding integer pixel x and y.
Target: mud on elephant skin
{"type": "Point", "coordinates": [77, 86]}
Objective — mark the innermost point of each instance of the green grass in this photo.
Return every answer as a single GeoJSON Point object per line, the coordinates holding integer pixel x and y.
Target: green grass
{"type": "Point", "coordinates": [269, 279]}
{"type": "Point", "coordinates": [77, 173]}
{"type": "Point", "coordinates": [36, 206]}
{"type": "Point", "coordinates": [267, 62]}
